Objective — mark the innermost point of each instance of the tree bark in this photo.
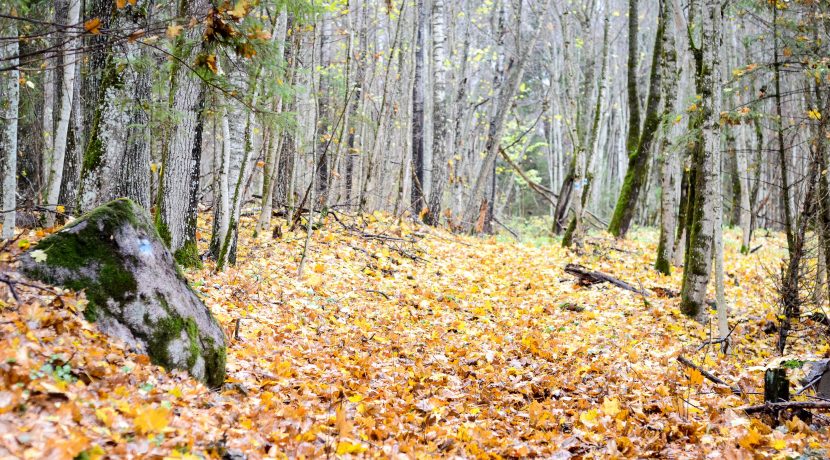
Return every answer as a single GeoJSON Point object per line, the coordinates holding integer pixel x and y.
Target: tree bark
{"type": "Point", "coordinates": [639, 142]}
{"type": "Point", "coordinates": [186, 100]}
{"type": "Point", "coordinates": [9, 104]}
{"type": "Point", "coordinates": [441, 138]}
{"type": "Point", "coordinates": [58, 150]}
{"type": "Point", "coordinates": [704, 206]}
{"type": "Point", "coordinates": [418, 201]}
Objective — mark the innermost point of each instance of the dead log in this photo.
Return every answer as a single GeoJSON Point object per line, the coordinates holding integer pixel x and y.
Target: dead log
{"type": "Point", "coordinates": [587, 277]}
{"type": "Point", "coordinates": [779, 406]}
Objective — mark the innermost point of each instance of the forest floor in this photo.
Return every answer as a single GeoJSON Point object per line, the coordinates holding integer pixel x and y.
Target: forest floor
{"type": "Point", "coordinates": [402, 342]}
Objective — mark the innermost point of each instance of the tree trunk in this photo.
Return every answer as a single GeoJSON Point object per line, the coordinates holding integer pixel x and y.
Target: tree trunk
{"type": "Point", "coordinates": [116, 161]}
{"type": "Point", "coordinates": [668, 173]}
{"type": "Point", "coordinates": [58, 150]}
{"type": "Point", "coordinates": [441, 138]}
{"type": "Point", "coordinates": [272, 159]}
{"type": "Point", "coordinates": [418, 199]}
{"type": "Point", "coordinates": [703, 208]}
{"type": "Point", "coordinates": [639, 143]}
{"type": "Point", "coordinates": [186, 100]}
{"type": "Point", "coordinates": [9, 103]}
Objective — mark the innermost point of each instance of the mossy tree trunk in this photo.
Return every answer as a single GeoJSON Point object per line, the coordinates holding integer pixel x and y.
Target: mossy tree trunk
{"type": "Point", "coordinates": [116, 159]}
{"type": "Point", "coordinates": [668, 173]}
{"type": "Point", "coordinates": [639, 142]}
{"type": "Point", "coordinates": [703, 207]}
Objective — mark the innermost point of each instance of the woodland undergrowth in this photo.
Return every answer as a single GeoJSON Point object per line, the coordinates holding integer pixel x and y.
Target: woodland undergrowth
{"type": "Point", "coordinates": [401, 341]}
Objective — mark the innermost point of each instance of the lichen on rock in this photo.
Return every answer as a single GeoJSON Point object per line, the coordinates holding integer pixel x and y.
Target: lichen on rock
{"type": "Point", "coordinates": [136, 291]}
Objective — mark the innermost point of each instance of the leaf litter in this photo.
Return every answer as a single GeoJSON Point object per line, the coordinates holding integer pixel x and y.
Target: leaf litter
{"type": "Point", "coordinates": [409, 343]}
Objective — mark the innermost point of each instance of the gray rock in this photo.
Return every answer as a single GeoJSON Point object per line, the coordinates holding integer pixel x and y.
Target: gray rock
{"type": "Point", "coordinates": [135, 289]}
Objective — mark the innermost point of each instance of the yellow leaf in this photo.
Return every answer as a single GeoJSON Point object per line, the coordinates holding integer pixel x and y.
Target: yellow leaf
{"type": "Point", "coordinates": [356, 398]}
{"type": "Point", "coordinates": [611, 407]}
{"type": "Point", "coordinates": [120, 3]}
{"type": "Point", "coordinates": [752, 438]}
{"type": "Point", "coordinates": [778, 444]}
{"type": "Point", "coordinates": [239, 10]}
{"type": "Point", "coordinates": [93, 26]}
{"type": "Point", "coordinates": [589, 418]}
{"type": "Point", "coordinates": [151, 419]}
{"type": "Point", "coordinates": [314, 281]}
{"type": "Point", "coordinates": [814, 114]}
{"type": "Point", "coordinates": [24, 244]}
{"type": "Point", "coordinates": [319, 268]}
{"type": "Point", "coordinates": [345, 447]}
{"type": "Point", "coordinates": [60, 208]}
{"type": "Point", "coordinates": [695, 377]}
{"type": "Point", "coordinates": [173, 31]}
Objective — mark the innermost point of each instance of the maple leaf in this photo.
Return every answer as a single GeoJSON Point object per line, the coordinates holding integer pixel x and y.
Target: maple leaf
{"type": "Point", "coordinates": [695, 377]}
{"type": "Point", "coordinates": [611, 407]}
{"type": "Point", "coordinates": [814, 114]}
{"type": "Point", "coordinates": [39, 255]}
{"type": "Point", "coordinates": [589, 418]}
{"type": "Point", "coordinates": [174, 30]}
{"type": "Point", "coordinates": [150, 420]}
{"type": "Point", "coordinates": [93, 26]}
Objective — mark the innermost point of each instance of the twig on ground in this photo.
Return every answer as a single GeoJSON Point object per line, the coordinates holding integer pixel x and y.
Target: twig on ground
{"type": "Point", "coordinates": [685, 361]}
{"type": "Point", "coordinates": [777, 406]}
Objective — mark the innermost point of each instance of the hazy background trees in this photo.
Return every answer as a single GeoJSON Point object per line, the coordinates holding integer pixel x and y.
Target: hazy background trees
{"type": "Point", "coordinates": [472, 115]}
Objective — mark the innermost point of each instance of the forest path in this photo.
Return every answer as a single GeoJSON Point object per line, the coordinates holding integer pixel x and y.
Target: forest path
{"type": "Point", "coordinates": [448, 345]}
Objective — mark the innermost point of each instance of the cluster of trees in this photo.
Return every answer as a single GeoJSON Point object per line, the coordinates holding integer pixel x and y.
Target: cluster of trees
{"type": "Point", "coordinates": [682, 113]}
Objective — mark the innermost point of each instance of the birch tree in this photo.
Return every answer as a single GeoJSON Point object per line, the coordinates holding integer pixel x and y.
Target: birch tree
{"type": "Point", "coordinates": [58, 150]}
{"type": "Point", "coordinates": [441, 139]}
{"type": "Point", "coordinates": [9, 103]}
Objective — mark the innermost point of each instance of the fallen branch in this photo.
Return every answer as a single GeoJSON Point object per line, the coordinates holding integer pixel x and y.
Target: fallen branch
{"type": "Point", "coordinates": [778, 406]}
{"type": "Point", "coordinates": [684, 361]}
{"type": "Point", "coordinates": [586, 277]}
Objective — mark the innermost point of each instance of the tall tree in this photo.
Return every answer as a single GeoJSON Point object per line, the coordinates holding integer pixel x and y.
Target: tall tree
{"type": "Point", "coordinates": [418, 200]}
{"type": "Point", "coordinates": [186, 102]}
{"type": "Point", "coordinates": [703, 208]}
{"type": "Point", "coordinates": [58, 150]}
{"type": "Point", "coordinates": [638, 143]}
{"type": "Point", "coordinates": [441, 138]}
{"type": "Point", "coordinates": [9, 103]}
{"type": "Point", "coordinates": [515, 70]}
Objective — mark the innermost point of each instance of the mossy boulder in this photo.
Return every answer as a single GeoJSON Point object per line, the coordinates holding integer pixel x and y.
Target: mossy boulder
{"type": "Point", "coordinates": [136, 291]}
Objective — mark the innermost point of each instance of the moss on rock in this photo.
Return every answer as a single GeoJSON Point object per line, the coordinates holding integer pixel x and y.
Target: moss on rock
{"type": "Point", "coordinates": [135, 289]}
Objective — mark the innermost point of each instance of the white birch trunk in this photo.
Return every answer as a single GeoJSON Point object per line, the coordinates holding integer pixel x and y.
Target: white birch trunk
{"type": "Point", "coordinates": [272, 160]}
{"type": "Point", "coordinates": [9, 103]}
{"type": "Point", "coordinates": [48, 113]}
{"type": "Point", "coordinates": [67, 92]}
{"type": "Point", "coordinates": [441, 151]}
